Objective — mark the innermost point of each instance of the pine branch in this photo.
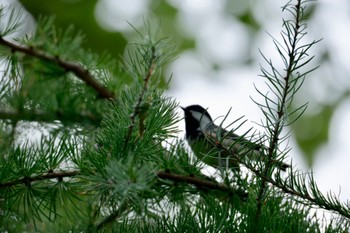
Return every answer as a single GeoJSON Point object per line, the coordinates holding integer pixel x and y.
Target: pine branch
{"type": "Point", "coordinates": [200, 183]}
{"type": "Point", "coordinates": [112, 217]}
{"type": "Point", "coordinates": [42, 116]}
{"type": "Point", "coordinates": [137, 108]}
{"type": "Point", "coordinates": [316, 198]}
{"type": "Point", "coordinates": [285, 87]}
{"type": "Point", "coordinates": [45, 176]}
{"type": "Point", "coordinates": [68, 66]}
{"type": "Point", "coordinates": [196, 181]}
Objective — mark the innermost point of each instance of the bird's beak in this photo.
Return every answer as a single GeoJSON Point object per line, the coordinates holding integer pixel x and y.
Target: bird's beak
{"type": "Point", "coordinates": [182, 108]}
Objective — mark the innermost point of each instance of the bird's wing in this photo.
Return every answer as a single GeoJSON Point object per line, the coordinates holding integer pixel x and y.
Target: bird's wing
{"type": "Point", "coordinates": [229, 140]}
{"type": "Point", "coordinates": [237, 144]}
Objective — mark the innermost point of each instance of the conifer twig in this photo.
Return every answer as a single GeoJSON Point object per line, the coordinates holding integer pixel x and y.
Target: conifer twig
{"type": "Point", "coordinates": [294, 32]}
{"type": "Point", "coordinates": [113, 216]}
{"type": "Point", "coordinates": [44, 176]}
{"type": "Point", "coordinates": [42, 116]}
{"type": "Point", "coordinates": [200, 183]}
{"type": "Point", "coordinates": [196, 181]}
{"type": "Point", "coordinates": [288, 189]}
{"type": "Point", "coordinates": [68, 66]}
{"type": "Point", "coordinates": [150, 70]}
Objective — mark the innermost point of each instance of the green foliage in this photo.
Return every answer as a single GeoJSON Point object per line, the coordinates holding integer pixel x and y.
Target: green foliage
{"type": "Point", "coordinates": [309, 139]}
{"type": "Point", "coordinates": [82, 15]}
{"type": "Point", "coordinates": [103, 155]}
{"type": "Point", "coordinates": [12, 21]}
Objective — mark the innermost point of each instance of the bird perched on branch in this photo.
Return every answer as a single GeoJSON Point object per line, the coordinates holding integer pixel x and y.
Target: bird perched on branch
{"type": "Point", "coordinates": [216, 146]}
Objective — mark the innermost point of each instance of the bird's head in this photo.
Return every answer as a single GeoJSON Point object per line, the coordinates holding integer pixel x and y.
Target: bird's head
{"type": "Point", "coordinates": [196, 119]}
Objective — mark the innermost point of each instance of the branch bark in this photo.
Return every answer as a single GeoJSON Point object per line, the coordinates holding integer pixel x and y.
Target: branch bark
{"type": "Point", "coordinates": [75, 68]}
{"type": "Point", "coordinates": [42, 116]}
{"type": "Point", "coordinates": [44, 176]}
{"type": "Point", "coordinates": [198, 182]}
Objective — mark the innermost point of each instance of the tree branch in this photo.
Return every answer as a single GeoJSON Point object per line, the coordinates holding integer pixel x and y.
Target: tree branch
{"type": "Point", "coordinates": [44, 176]}
{"type": "Point", "coordinates": [288, 189]}
{"type": "Point", "coordinates": [41, 116]}
{"type": "Point", "coordinates": [113, 216]}
{"type": "Point", "coordinates": [137, 108]}
{"type": "Point", "coordinates": [75, 68]}
{"type": "Point", "coordinates": [273, 144]}
{"type": "Point", "coordinates": [200, 183]}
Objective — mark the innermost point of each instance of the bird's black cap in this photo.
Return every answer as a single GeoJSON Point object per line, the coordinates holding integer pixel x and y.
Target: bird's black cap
{"type": "Point", "coordinates": [195, 108]}
{"type": "Point", "coordinates": [192, 123]}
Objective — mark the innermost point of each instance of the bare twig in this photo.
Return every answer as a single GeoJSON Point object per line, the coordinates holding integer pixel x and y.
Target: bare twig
{"type": "Point", "coordinates": [68, 66]}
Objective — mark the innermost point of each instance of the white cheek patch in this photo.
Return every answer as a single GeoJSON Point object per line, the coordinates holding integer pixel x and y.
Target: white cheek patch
{"type": "Point", "coordinates": [204, 121]}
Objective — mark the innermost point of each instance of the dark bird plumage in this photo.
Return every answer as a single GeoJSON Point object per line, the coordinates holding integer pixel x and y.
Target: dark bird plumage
{"type": "Point", "coordinates": [216, 146]}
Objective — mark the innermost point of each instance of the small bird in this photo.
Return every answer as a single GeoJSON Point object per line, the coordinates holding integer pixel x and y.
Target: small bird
{"type": "Point", "coordinates": [216, 146]}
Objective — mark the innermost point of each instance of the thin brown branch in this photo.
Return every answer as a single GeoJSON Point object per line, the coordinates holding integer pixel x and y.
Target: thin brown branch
{"type": "Point", "coordinates": [113, 216]}
{"type": "Point", "coordinates": [146, 79]}
{"type": "Point", "coordinates": [44, 176]}
{"type": "Point", "coordinates": [196, 181]}
{"type": "Point", "coordinates": [42, 116]}
{"type": "Point", "coordinates": [200, 183]}
{"type": "Point", "coordinates": [68, 66]}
